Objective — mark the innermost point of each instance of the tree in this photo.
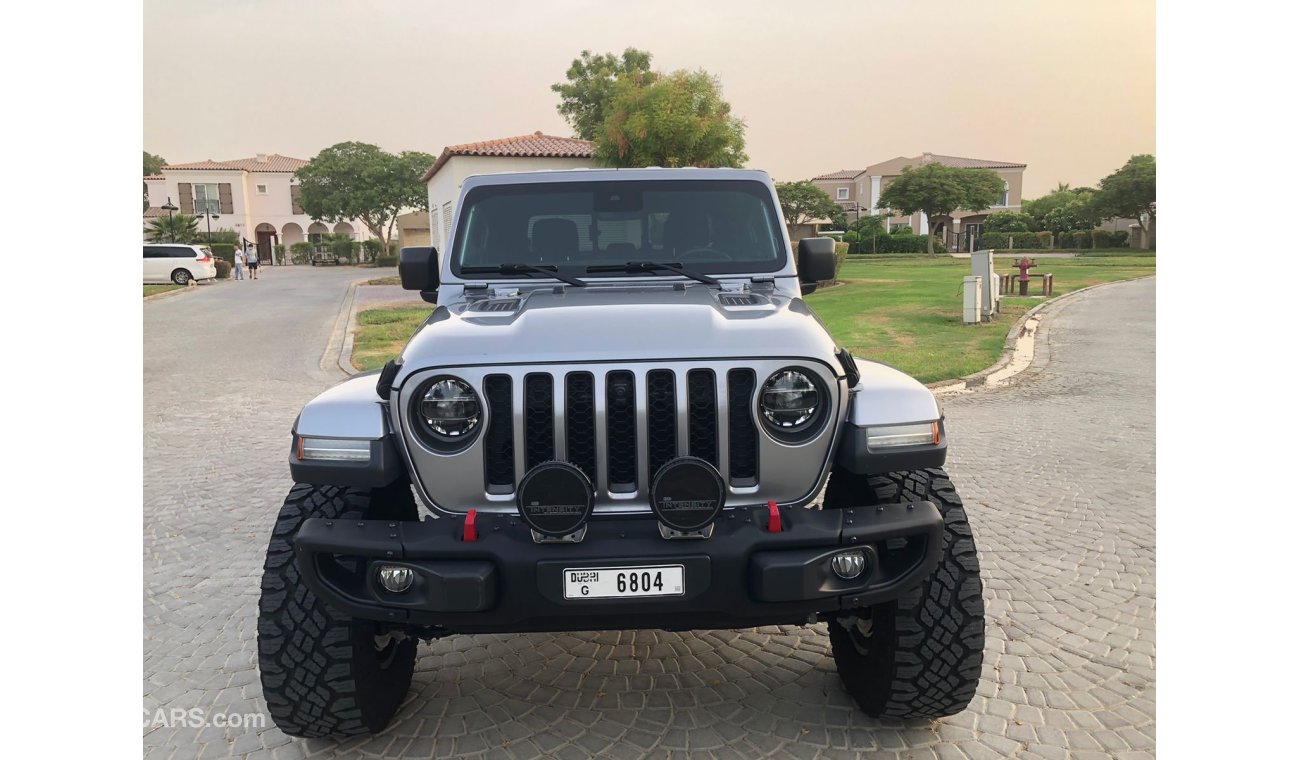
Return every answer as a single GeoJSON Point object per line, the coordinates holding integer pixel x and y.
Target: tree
{"type": "Point", "coordinates": [802, 202]}
{"type": "Point", "coordinates": [353, 180]}
{"type": "Point", "coordinates": [869, 228]}
{"type": "Point", "coordinates": [1008, 221]}
{"type": "Point", "coordinates": [938, 190]}
{"type": "Point", "coordinates": [585, 100]}
{"type": "Point", "coordinates": [677, 119]}
{"type": "Point", "coordinates": [177, 228]}
{"type": "Point", "coordinates": [1130, 192]}
{"type": "Point", "coordinates": [153, 164]}
{"type": "Point", "coordinates": [1062, 210]}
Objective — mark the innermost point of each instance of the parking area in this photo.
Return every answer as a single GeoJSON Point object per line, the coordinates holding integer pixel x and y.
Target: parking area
{"type": "Point", "coordinates": [1057, 470]}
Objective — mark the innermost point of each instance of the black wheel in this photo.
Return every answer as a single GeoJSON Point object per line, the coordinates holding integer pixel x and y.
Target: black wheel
{"type": "Point", "coordinates": [323, 672]}
{"type": "Point", "coordinates": [181, 276]}
{"type": "Point", "coordinates": [920, 655]}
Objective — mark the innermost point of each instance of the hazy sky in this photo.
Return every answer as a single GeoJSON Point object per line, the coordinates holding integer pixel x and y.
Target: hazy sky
{"type": "Point", "coordinates": [1066, 87]}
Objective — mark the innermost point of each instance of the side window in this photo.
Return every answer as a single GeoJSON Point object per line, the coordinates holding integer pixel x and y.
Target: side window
{"type": "Point", "coordinates": [180, 252]}
{"type": "Point", "coordinates": [154, 252]}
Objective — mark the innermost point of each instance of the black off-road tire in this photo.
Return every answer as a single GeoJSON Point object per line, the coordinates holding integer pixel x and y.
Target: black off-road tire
{"type": "Point", "coordinates": [920, 655]}
{"type": "Point", "coordinates": [323, 672]}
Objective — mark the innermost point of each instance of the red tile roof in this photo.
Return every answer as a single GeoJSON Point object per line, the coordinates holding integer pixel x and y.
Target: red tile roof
{"type": "Point", "coordinates": [150, 177]}
{"type": "Point", "coordinates": [273, 162]}
{"type": "Point", "coordinates": [154, 211]}
{"type": "Point", "coordinates": [536, 145]}
{"type": "Point", "coordinates": [841, 174]}
{"type": "Point", "coordinates": [957, 162]}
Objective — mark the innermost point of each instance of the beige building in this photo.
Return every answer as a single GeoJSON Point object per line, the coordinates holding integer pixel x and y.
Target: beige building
{"type": "Point", "coordinates": [858, 191]}
{"type": "Point", "coordinates": [257, 197]}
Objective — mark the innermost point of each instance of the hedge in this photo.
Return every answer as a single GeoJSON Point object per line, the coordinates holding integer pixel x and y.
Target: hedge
{"type": "Point", "coordinates": [385, 261]}
{"type": "Point", "coordinates": [224, 251]}
{"type": "Point", "coordinates": [1077, 240]}
{"type": "Point", "coordinates": [223, 269]}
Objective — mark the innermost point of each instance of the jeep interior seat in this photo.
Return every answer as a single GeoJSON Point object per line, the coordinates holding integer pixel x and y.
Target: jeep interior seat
{"type": "Point", "coordinates": [554, 240]}
{"type": "Point", "coordinates": [686, 229]}
{"type": "Point", "coordinates": [619, 252]}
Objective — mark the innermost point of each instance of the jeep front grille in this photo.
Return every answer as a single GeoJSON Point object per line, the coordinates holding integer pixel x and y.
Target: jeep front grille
{"type": "Point", "coordinates": [619, 424]}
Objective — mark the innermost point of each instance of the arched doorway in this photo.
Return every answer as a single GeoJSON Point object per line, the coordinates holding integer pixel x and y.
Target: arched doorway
{"type": "Point", "coordinates": [267, 238]}
{"type": "Point", "coordinates": [292, 233]}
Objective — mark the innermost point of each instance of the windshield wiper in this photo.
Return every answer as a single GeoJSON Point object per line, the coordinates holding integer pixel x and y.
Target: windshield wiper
{"type": "Point", "coordinates": [656, 266]}
{"type": "Point", "coordinates": [550, 271]}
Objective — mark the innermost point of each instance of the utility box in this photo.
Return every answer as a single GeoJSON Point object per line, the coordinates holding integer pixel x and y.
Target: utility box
{"type": "Point", "coordinates": [981, 265]}
{"type": "Point", "coordinates": [972, 300]}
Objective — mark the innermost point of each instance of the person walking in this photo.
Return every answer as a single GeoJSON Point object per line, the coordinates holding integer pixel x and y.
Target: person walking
{"type": "Point", "coordinates": [252, 261]}
{"type": "Point", "coordinates": [239, 262]}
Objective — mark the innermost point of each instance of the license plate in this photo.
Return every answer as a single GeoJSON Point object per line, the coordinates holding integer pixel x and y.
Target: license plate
{"type": "Point", "coordinates": [621, 582]}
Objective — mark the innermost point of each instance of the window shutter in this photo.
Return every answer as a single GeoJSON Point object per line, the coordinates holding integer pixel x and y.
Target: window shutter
{"type": "Point", "coordinates": [227, 205]}
{"type": "Point", "coordinates": [295, 194]}
{"type": "Point", "coordinates": [187, 197]}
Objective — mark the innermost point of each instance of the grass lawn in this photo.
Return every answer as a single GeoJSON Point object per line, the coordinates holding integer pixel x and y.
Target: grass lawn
{"type": "Point", "coordinates": [150, 290]}
{"type": "Point", "coordinates": [905, 312]}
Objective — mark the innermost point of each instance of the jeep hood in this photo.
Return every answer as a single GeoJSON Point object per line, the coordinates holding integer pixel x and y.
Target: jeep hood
{"type": "Point", "coordinates": [621, 324]}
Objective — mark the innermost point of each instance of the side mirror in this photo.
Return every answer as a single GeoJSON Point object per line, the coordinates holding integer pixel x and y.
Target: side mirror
{"type": "Point", "coordinates": [816, 262]}
{"type": "Point", "coordinates": [418, 268]}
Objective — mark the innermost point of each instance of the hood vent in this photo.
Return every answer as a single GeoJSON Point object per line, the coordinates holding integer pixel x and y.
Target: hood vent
{"type": "Point", "coordinates": [499, 305]}
{"type": "Point", "coordinates": [738, 299]}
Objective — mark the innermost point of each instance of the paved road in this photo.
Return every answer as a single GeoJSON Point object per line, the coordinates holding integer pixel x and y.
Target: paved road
{"type": "Point", "coordinates": [1058, 471]}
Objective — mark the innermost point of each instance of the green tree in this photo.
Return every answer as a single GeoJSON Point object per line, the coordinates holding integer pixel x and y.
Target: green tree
{"type": "Point", "coordinates": [802, 202]}
{"type": "Point", "coordinates": [177, 228]}
{"type": "Point", "coordinates": [677, 119]}
{"type": "Point", "coordinates": [354, 180]}
{"type": "Point", "coordinates": [1130, 192]}
{"type": "Point", "coordinates": [938, 190]}
{"type": "Point", "coordinates": [869, 229]}
{"type": "Point", "coordinates": [1063, 209]}
{"type": "Point", "coordinates": [586, 98]}
{"type": "Point", "coordinates": [153, 164]}
{"type": "Point", "coordinates": [1008, 221]}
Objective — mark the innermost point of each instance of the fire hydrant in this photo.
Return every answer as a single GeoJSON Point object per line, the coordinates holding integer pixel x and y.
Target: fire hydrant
{"type": "Point", "coordinates": [1024, 266]}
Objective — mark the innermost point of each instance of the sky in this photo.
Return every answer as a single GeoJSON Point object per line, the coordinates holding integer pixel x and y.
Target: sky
{"type": "Point", "coordinates": [1065, 87]}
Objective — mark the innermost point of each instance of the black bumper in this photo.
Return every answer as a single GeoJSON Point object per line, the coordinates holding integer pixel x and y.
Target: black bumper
{"type": "Point", "coordinates": [742, 576]}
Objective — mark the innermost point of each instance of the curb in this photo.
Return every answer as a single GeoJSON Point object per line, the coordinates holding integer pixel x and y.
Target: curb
{"type": "Point", "coordinates": [1018, 347]}
{"type": "Point", "coordinates": [171, 293]}
{"type": "Point", "coordinates": [341, 336]}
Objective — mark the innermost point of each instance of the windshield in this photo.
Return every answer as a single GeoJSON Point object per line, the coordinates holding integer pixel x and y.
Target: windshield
{"type": "Point", "coordinates": [712, 226]}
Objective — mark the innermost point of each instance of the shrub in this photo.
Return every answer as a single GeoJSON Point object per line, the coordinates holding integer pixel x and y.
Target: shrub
{"type": "Point", "coordinates": [278, 250]}
{"type": "Point", "coordinates": [223, 269]}
{"type": "Point", "coordinates": [902, 241]}
{"type": "Point", "coordinates": [385, 261]}
{"type": "Point", "coordinates": [1109, 239]}
{"type": "Point", "coordinates": [224, 251]}
{"type": "Point", "coordinates": [300, 253]}
{"type": "Point", "coordinates": [373, 248]}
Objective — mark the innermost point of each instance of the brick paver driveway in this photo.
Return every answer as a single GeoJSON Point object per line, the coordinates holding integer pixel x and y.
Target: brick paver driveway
{"type": "Point", "coordinates": [1057, 472]}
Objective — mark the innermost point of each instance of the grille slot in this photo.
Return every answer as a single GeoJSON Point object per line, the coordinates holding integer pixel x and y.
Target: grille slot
{"type": "Point", "coordinates": [539, 419]}
{"type": "Point", "coordinates": [661, 418]}
{"type": "Point", "coordinates": [733, 299]}
{"type": "Point", "coordinates": [509, 304]}
{"type": "Point", "coordinates": [742, 437]}
{"type": "Point", "coordinates": [499, 438]}
{"type": "Point", "coordinates": [580, 422]}
{"type": "Point", "coordinates": [620, 419]}
{"type": "Point", "coordinates": [703, 420]}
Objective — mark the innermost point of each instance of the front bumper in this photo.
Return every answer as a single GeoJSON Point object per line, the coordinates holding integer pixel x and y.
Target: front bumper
{"type": "Point", "coordinates": [742, 576]}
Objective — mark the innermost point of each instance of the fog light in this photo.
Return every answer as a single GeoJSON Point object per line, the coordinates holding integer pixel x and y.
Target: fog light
{"type": "Point", "coordinates": [395, 578]}
{"type": "Point", "coordinates": [848, 565]}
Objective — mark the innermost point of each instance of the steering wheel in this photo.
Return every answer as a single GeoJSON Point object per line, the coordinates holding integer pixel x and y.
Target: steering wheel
{"type": "Point", "coordinates": [691, 252]}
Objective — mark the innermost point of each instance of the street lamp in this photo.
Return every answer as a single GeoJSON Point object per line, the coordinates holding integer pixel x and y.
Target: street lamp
{"type": "Point", "coordinates": [169, 208]}
{"type": "Point", "coordinates": [210, 216]}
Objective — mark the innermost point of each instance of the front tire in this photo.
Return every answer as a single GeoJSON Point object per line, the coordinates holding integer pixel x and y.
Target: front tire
{"type": "Point", "coordinates": [323, 672]}
{"type": "Point", "coordinates": [920, 655]}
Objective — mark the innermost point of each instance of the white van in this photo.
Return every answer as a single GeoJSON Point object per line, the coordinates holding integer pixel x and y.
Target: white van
{"type": "Point", "coordinates": [173, 262]}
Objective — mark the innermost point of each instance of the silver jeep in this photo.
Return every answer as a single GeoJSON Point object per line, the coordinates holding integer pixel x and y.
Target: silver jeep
{"type": "Point", "coordinates": [619, 414]}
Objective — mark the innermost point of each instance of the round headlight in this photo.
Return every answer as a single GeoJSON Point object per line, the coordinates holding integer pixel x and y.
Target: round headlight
{"type": "Point", "coordinates": [450, 409]}
{"type": "Point", "coordinates": [790, 401]}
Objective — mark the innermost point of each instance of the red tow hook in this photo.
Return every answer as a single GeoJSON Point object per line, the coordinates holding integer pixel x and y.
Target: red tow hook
{"type": "Point", "coordinates": [773, 518]}
{"type": "Point", "coordinates": [471, 526]}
